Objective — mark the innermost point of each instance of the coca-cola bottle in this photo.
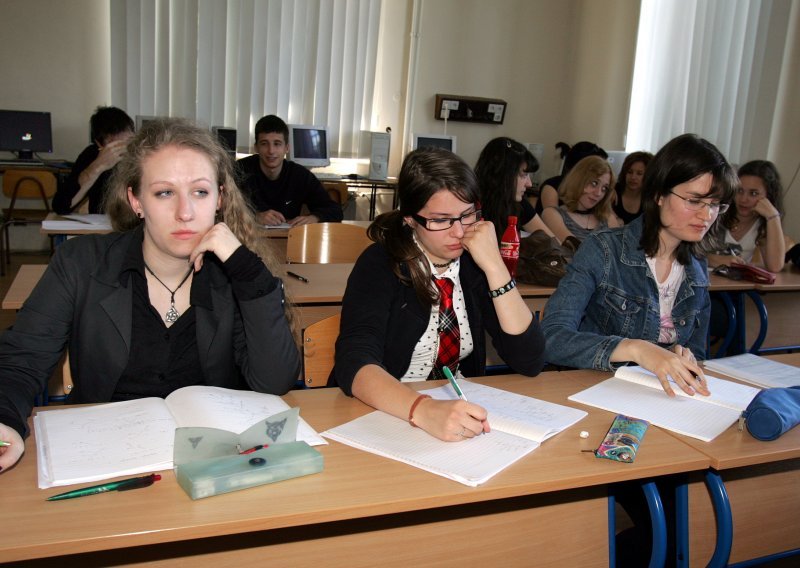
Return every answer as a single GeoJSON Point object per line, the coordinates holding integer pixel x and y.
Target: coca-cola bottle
{"type": "Point", "coordinates": [509, 246]}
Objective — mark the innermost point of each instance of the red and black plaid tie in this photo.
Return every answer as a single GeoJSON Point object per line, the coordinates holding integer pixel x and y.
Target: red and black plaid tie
{"type": "Point", "coordinates": [449, 334]}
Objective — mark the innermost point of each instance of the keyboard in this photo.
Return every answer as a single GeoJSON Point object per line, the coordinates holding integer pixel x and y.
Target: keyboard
{"type": "Point", "coordinates": [18, 162]}
{"type": "Point", "coordinates": [328, 176]}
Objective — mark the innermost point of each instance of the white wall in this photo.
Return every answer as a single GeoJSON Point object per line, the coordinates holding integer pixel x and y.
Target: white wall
{"type": "Point", "coordinates": [55, 57]}
{"type": "Point", "coordinates": [564, 67]}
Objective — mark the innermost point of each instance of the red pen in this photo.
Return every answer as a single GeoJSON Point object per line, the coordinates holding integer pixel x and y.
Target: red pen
{"type": "Point", "coordinates": [254, 449]}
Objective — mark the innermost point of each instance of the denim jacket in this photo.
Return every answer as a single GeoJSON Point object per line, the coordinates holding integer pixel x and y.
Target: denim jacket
{"type": "Point", "coordinates": [609, 294]}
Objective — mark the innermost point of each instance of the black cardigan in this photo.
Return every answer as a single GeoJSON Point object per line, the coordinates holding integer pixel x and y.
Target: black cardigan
{"type": "Point", "coordinates": [382, 321]}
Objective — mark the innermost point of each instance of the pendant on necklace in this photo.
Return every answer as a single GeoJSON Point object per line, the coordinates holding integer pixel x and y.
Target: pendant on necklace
{"type": "Point", "coordinates": [172, 314]}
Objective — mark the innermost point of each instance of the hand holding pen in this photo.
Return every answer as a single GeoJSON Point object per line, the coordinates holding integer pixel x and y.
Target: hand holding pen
{"type": "Point", "coordinates": [11, 447]}
{"type": "Point", "coordinates": [473, 413]}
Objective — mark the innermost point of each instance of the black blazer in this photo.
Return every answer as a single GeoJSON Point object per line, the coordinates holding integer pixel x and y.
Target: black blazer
{"type": "Point", "coordinates": [382, 321]}
{"type": "Point", "coordinates": [80, 303]}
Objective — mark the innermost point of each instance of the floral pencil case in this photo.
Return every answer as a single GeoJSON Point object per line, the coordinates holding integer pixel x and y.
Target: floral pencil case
{"type": "Point", "coordinates": [623, 439]}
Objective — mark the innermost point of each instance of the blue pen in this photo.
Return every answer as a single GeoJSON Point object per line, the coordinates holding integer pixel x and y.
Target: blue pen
{"type": "Point", "coordinates": [454, 383]}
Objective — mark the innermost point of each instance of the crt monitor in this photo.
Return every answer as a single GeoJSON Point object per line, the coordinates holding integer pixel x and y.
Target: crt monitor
{"type": "Point", "coordinates": [226, 137]}
{"type": "Point", "coordinates": [141, 120]}
{"type": "Point", "coordinates": [308, 145]}
{"type": "Point", "coordinates": [25, 132]}
{"type": "Point", "coordinates": [615, 159]}
{"type": "Point", "coordinates": [437, 140]}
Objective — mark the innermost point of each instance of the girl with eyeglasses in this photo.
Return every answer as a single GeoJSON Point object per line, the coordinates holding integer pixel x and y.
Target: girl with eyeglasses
{"type": "Point", "coordinates": [421, 298]}
{"type": "Point", "coordinates": [639, 294]}
{"type": "Point", "coordinates": [504, 171]}
{"type": "Point", "coordinates": [752, 226]}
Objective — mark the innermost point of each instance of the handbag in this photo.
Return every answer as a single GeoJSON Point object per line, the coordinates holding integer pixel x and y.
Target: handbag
{"type": "Point", "coordinates": [748, 272]}
{"type": "Point", "coordinates": [772, 412]}
{"type": "Point", "coordinates": [542, 261]}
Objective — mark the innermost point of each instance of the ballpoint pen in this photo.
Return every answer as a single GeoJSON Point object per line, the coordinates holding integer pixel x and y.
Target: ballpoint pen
{"type": "Point", "coordinates": [253, 449]}
{"type": "Point", "coordinates": [300, 278]}
{"type": "Point", "coordinates": [123, 485]}
{"type": "Point", "coordinates": [454, 383]}
{"type": "Point", "coordinates": [4, 443]}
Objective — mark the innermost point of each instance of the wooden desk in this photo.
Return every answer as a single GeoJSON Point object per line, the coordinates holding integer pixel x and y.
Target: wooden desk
{"type": "Point", "coordinates": [550, 507]}
{"type": "Point", "coordinates": [326, 283]}
{"type": "Point", "coordinates": [761, 480]}
{"type": "Point", "coordinates": [782, 302]}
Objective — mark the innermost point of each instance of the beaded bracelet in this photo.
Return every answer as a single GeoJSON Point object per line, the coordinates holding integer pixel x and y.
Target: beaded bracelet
{"type": "Point", "coordinates": [502, 290]}
{"type": "Point", "coordinates": [414, 407]}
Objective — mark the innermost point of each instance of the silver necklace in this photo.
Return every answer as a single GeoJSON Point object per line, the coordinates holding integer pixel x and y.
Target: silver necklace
{"type": "Point", "coordinates": [172, 314]}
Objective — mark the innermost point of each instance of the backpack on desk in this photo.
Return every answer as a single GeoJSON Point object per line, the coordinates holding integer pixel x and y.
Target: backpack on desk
{"type": "Point", "coordinates": [542, 261]}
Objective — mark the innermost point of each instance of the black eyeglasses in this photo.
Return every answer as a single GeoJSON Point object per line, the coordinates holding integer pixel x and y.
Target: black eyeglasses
{"type": "Point", "coordinates": [694, 204]}
{"type": "Point", "coordinates": [444, 223]}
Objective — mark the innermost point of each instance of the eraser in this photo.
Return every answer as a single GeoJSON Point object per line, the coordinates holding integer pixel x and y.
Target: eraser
{"type": "Point", "coordinates": [584, 434]}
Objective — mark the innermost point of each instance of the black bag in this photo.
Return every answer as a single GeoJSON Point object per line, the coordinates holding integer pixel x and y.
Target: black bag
{"type": "Point", "coordinates": [542, 261]}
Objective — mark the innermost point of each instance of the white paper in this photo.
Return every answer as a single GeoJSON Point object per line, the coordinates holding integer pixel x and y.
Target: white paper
{"type": "Point", "coordinates": [636, 392]}
{"type": "Point", "coordinates": [78, 222]}
{"type": "Point", "coordinates": [756, 370]}
{"type": "Point", "coordinates": [91, 443]}
{"type": "Point", "coordinates": [519, 424]}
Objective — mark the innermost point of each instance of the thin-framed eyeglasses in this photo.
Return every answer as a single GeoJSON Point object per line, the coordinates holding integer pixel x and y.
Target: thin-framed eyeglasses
{"type": "Point", "coordinates": [695, 204]}
{"type": "Point", "coordinates": [444, 223]}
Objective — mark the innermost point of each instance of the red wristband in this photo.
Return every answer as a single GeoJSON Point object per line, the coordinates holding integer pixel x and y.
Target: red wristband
{"type": "Point", "coordinates": [414, 407]}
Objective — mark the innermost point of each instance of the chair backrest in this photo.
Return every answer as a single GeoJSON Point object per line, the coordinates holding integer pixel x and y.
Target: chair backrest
{"type": "Point", "coordinates": [325, 243]}
{"type": "Point", "coordinates": [29, 184]}
{"type": "Point", "coordinates": [337, 191]}
{"type": "Point", "coordinates": [319, 341]}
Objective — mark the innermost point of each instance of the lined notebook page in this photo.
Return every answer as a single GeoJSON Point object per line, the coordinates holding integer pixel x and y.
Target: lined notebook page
{"type": "Point", "coordinates": [757, 370]}
{"type": "Point", "coordinates": [470, 462]}
{"type": "Point", "coordinates": [725, 393]}
{"type": "Point", "coordinates": [519, 424]}
{"type": "Point", "coordinates": [515, 413]}
{"type": "Point", "coordinates": [684, 415]}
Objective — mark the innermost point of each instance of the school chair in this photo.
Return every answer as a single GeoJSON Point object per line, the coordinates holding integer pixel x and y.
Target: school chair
{"type": "Point", "coordinates": [319, 341]}
{"type": "Point", "coordinates": [337, 191]}
{"type": "Point", "coordinates": [325, 243]}
{"type": "Point", "coordinates": [24, 184]}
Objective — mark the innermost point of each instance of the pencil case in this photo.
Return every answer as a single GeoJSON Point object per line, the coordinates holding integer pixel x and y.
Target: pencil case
{"type": "Point", "coordinates": [772, 412]}
{"type": "Point", "coordinates": [623, 439]}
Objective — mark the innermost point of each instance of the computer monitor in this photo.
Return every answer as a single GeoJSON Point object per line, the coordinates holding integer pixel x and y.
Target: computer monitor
{"type": "Point", "coordinates": [308, 145]}
{"type": "Point", "coordinates": [437, 140]}
{"type": "Point", "coordinates": [226, 137]}
{"type": "Point", "coordinates": [616, 159]}
{"type": "Point", "coordinates": [25, 132]}
{"type": "Point", "coordinates": [141, 120]}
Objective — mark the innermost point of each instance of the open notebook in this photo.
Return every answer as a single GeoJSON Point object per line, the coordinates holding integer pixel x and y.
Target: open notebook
{"type": "Point", "coordinates": [756, 370]}
{"type": "Point", "coordinates": [90, 443]}
{"type": "Point", "coordinates": [519, 425]}
{"type": "Point", "coordinates": [634, 391]}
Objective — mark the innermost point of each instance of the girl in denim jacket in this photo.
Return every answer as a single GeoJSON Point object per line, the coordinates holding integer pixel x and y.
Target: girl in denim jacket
{"type": "Point", "coordinates": [640, 293]}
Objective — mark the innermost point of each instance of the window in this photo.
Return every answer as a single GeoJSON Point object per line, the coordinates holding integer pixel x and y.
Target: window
{"type": "Point", "coordinates": [711, 67]}
{"type": "Point", "coordinates": [228, 62]}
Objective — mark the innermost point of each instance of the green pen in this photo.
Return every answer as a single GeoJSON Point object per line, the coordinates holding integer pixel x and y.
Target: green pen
{"type": "Point", "coordinates": [124, 485]}
{"type": "Point", "coordinates": [4, 443]}
{"type": "Point", "coordinates": [454, 383]}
